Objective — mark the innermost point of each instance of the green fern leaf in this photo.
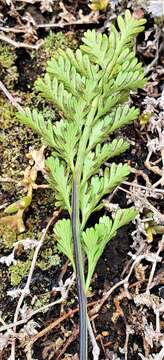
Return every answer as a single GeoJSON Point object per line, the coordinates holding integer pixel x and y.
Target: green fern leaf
{"type": "Point", "coordinates": [129, 27]}
{"type": "Point", "coordinates": [123, 217]}
{"type": "Point", "coordinates": [90, 87]}
{"type": "Point", "coordinates": [95, 44]}
{"type": "Point", "coordinates": [59, 181]}
{"type": "Point", "coordinates": [62, 69]}
{"type": "Point", "coordinates": [36, 122]}
{"type": "Point", "coordinates": [95, 239]}
{"type": "Point", "coordinates": [52, 90]}
{"type": "Point", "coordinates": [94, 242]}
{"type": "Point", "coordinates": [92, 193]}
{"type": "Point", "coordinates": [63, 235]}
{"type": "Point", "coordinates": [66, 137]}
{"type": "Point", "coordinates": [94, 160]}
{"type": "Point", "coordinates": [81, 63]}
{"type": "Point", "coordinates": [111, 48]}
{"type": "Point", "coordinates": [122, 116]}
{"type": "Point", "coordinates": [118, 118]}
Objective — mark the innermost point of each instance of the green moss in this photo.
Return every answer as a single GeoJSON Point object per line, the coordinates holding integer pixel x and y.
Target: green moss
{"type": "Point", "coordinates": [8, 236]}
{"type": "Point", "coordinates": [54, 41]}
{"type": "Point", "coordinates": [6, 113]}
{"type": "Point", "coordinates": [15, 141]}
{"type": "Point", "coordinates": [7, 55]}
{"type": "Point", "coordinates": [20, 269]}
{"type": "Point", "coordinates": [47, 259]}
{"type": "Point", "coordinates": [41, 301]}
{"type": "Point", "coordinates": [8, 70]}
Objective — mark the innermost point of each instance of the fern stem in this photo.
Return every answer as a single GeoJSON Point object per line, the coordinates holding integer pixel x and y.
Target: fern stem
{"type": "Point", "coordinates": [76, 228]}
{"type": "Point", "coordinates": [79, 272]}
{"type": "Point", "coordinates": [85, 137]}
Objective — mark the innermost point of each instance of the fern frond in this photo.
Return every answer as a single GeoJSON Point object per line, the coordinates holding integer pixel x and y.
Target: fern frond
{"type": "Point", "coordinates": [35, 120]}
{"type": "Point", "coordinates": [122, 116]}
{"type": "Point", "coordinates": [66, 137]}
{"type": "Point", "coordinates": [63, 235]}
{"type": "Point", "coordinates": [118, 118]}
{"type": "Point", "coordinates": [106, 104]}
{"type": "Point", "coordinates": [99, 186]}
{"type": "Point", "coordinates": [81, 63]}
{"type": "Point", "coordinates": [63, 70]}
{"type": "Point", "coordinates": [95, 44]}
{"type": "Point", "coordinates": [90, 87]}
{"type": "Point", "coordinates": [129, 80]}
{"type": "Point", "coordinates": [95, 239]}
{"type": "Point", "coordinates": [112, 47]}
{"type": "Point", "coordinates": [123, 217]}
{"type": "Point", "coordinates": [52, 90]}
{"type": "Point", "coordinates": [129, 27]}
{"type": "Point", "coordinates": [94, 160]}
{"type": "Point", "coordinates": [59, 181]}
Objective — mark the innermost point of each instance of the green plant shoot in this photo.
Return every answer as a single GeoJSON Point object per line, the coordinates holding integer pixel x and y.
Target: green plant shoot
{"type": "Point", "coordinates": [90, 87]}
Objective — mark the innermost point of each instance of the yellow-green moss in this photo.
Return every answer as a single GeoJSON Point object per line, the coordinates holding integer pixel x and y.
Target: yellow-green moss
{"type": "Point", "coordinates": [7, 55]}
{"type": "Point", "coordinates": [15, 141]}
{"type": "Point", "coordinates": [8, 70]}
{"type": "Point", "coordinates": [41, 301]}
{"type": "Point", "coordinates": [8, 236]}
{"type": "Point", "coordinates": [47, 259]}
{"type": "Point", "coordinates": [20, 269]}
{"type": "Point", "coordinates": [54, 41]}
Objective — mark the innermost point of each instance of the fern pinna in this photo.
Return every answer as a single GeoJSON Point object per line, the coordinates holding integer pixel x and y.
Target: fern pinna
{"type": "Point", "coordinates": [90, 87]}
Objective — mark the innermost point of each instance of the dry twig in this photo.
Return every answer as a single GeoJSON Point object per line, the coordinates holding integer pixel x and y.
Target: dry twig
{"type": "Point", "coordinates": [10, 97]}
{"type": "Point", "coordinates": [20, 44]}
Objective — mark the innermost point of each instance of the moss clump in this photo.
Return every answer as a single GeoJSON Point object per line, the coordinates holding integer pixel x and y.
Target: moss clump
{"type": "Point", "coordinates": [15, 141]}
{"type": "Point", "coordinates": [20, 269]}
{"type": "Point", "coordinates": [41, 301]}
{"type": "Point", "coordinates": [60, 40]}
{"type": "Point", "coordinates": [7, 55]}
{"type": "Point", "coordinates": [8, 70]}
{"type": "Point", "coordinates": [8, 236]}
{"type": "Point", "coordinates": [48, 259]}
{"type": "Point", "coordinates": [6, 113]}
